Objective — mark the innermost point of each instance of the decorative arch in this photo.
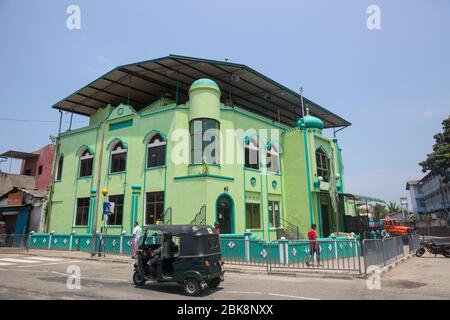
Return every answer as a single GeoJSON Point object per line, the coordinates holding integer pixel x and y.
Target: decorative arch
{"type": "Point", "coordinates": [156, 149]}
{"type": "Point", "coordinates": [228, 214]}
{"type": "Point", "coordinates": [322, 164]}
{"type": "Point", "coordinates": [152, 133]}
{"type": "Point", "coordinates": [113, 143]}
{"type": "Point", "coordinates": [322, 149]}
{"type": "Point", "coordinates": [82, 149]}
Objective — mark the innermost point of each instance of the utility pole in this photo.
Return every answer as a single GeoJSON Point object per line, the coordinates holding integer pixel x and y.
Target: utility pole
{"type": "Point", "coordinates": [97, 194]}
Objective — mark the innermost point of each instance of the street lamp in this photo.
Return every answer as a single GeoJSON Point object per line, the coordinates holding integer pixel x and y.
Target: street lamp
{"type": "Point", "coordinates": [403, 204]}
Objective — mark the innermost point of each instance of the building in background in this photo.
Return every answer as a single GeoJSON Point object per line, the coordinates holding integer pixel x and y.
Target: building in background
{"type": "Point", "coordinates": [22, 210]}
{"type": "Point", "coordinates": [35, 171]}
{"type": "Point", "coordinates": [429, 196]}
{"type": "Point", "coordinates": [23, 196]}
{"type": "Point", "coordinates": [288, 178]}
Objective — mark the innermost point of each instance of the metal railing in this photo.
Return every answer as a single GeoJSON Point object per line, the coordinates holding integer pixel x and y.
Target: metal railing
{"type": "Point", "coordinates": [200, 217]}
{"type": "Point", "coordinates": [167, 216]}
{"type": "Point", "coordinates": [14, 240]}
{"type": "Point", "coordinates": [286, 229]}
{"type": "Point", "coordinates": [414, 242]}
{"type": "Point", "coordinates": [344, 255]}
{"type": "Point", "coordinates": [244, 251]}
{"type": "Point", "coordinates": [381, 252]}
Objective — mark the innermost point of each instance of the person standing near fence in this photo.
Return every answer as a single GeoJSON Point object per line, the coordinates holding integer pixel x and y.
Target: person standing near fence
{"type": "Point", "coordinates": [217, 227]}
{"type": "Point", "coordinates": [137, 233]}
{"type": "Point", "coordinates": [313, 246]}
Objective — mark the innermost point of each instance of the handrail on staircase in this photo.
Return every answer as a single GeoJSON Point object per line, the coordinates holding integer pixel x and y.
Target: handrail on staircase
{"type": "Point", "coordinates": [285, 224]}
{"type": "Point", "coordinates": [200, 217]}
{"type": "Point", "coordinates": [167, 216]}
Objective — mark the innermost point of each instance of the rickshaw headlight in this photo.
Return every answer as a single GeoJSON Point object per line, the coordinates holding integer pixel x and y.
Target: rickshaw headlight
{"type": "Point", "coordinates": [206, 264]}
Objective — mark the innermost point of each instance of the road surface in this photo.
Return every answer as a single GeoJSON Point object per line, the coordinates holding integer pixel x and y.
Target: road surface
{"type": "Point", "coordinates": [41, 277]}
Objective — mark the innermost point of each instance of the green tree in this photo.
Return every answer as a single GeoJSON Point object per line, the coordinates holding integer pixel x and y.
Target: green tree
{"type": "Point", "coordinates": [438, 161]}
{"type": "Point", "coordinates": [393, 207]}
{"type": "Point", "coordinates": [379, 211]}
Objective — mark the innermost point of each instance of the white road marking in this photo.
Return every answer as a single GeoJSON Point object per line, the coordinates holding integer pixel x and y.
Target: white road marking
{"type": "Point", "coordinates": [44, 259]}
{"type": "Point", "coordinates": [295, 297]}
{"type": "Point", "coordinates": [50, 264]}
{"type": "Point", "coordinates": [18, 260]}
{"type": "Point", "coordinates": [6, 264]}
{"type": "Point", "coordinates": [244, 292]}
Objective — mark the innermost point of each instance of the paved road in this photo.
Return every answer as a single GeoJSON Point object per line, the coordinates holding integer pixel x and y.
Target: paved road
{"type": "Point", "coordinates": [39, 277]}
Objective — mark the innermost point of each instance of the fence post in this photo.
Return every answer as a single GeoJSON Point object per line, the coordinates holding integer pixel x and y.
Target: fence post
{"type": "Point", "coordinates": [121, 241]}
{"type": "Point", "coordinates": [283, 251]}
{"type": "Point", "coordinates": [71, 240]}
{"type": "Point", "coordinates": [247, 235]}
{"type": "Point", "coordinates": [29, 240]}
{"type": "Point", "coordinates": [336, 250]}
{"type": "Point", "coordinates": [50, 240]}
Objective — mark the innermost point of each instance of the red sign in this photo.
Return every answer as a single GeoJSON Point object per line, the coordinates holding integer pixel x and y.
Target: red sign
{"type": "Point", "coordinates": [15, 199]}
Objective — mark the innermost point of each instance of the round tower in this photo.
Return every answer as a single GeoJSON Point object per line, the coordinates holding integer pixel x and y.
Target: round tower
{"type": "Point", "coordinates": [204, 100]}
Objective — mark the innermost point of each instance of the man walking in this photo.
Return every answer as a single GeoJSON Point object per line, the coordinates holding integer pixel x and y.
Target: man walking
{"type": "Point", "coordinates": [137, 233]}
{"type": "Point", "coordinates": [313, 246]}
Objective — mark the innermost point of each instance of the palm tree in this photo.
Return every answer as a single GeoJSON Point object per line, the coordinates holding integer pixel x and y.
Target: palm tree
{"type": "Point", "coordinates": [393, 207]}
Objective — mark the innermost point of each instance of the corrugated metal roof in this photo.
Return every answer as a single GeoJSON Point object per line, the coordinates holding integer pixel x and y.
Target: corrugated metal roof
{"type": "Point", "coordinates": [142, 83]}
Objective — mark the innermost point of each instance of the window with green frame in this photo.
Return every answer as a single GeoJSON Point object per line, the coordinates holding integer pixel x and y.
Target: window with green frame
{"type": "Point", "coordinates": [323, 165]}
{"type": "Point", "coordinates": [274, 214]}
{"type": "Point", "coordinates": [116, 219]}
{"type": "Point", "coordinates": [253, 216]}
{"type": "Point", "coordinates": [204, 141]}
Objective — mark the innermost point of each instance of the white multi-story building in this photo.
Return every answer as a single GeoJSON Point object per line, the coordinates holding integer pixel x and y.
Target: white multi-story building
{"type": "Point", "coordinates": [429, 196]}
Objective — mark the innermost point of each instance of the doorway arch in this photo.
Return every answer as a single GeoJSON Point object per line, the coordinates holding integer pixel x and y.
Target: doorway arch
{"type": "Point", "coordinates": [225, 213]}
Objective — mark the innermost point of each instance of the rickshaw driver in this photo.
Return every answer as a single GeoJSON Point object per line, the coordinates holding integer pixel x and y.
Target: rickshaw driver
{"type": "Point", "coordinates": [165, 250]}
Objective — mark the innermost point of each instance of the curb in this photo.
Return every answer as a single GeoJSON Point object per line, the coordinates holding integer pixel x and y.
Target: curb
{"type": "Point", "coordinates": [317, 274]}
{"type": "Point", "coordinates": [391, 266]}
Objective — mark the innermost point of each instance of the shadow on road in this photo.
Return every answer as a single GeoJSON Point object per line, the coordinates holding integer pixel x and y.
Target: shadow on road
{"type": "Point", "coordinates": [173, 288]}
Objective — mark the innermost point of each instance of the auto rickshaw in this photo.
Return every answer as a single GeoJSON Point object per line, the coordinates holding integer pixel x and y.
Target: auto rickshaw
{"type": "Point", "coordinates": [196, 262]}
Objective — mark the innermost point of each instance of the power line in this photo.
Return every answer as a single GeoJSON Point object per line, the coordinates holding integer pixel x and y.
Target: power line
{"type": "Point", "coordinates": [37, 121]}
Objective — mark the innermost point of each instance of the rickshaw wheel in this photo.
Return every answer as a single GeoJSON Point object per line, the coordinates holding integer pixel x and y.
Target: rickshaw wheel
{"type": "Point", "coordinates": [214, 283]}
{"type": "Point", "coordinates": [191, 287]}
{"type": "Point", "coordinates": [138, 279]}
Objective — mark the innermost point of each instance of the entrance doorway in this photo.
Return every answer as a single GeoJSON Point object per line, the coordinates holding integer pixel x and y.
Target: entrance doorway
{"type": "Point", "coordinates": [224, 213]}
{"type": "Point", "coordinates": [325, 213]}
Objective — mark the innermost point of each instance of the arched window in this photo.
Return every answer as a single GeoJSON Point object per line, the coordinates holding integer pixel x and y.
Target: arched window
{"type": "Point", "coordinates": [156, 151]}
{"type": "Point", "coordinates": [86, 163]}
{"type": "Point", "coordinates": [323, 164]}
{"type": "Point", "coordinates": [118, 158]}
{"type": "Point", "coordinates": [204, 141]}
{"type": "Point", "coordinates": [273, 159]}
{"type": "Point", "coordinates": [252, 153]}
{"type": "Point", "coordinates": [59, 167]}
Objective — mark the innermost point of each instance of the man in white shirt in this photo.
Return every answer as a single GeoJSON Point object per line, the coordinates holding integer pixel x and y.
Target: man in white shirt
{"type": "Point", "coordinates": [137, 233]}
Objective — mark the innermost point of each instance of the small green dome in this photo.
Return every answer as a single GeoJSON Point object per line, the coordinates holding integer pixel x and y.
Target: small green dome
{"type": "Point", "coordinates": [204, 83]}
{"type": "Point", "coordinates": [310, 122]}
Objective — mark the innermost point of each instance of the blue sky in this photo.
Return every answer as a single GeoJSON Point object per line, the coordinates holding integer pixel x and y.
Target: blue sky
{"type": "Point", "coordinates": [392, 84]}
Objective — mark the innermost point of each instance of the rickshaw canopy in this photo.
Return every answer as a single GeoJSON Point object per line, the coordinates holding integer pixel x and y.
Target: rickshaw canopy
{"type": "Point", "coordinates": [182, 229]}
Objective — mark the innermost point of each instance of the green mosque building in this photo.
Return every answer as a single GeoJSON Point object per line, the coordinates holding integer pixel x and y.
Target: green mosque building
{"type": "Point", "coordinates": [186, 140]}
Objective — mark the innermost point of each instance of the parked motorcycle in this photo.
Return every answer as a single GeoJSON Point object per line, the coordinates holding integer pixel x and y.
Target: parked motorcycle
{"type": "Point", "coordinates": [434, 248]}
